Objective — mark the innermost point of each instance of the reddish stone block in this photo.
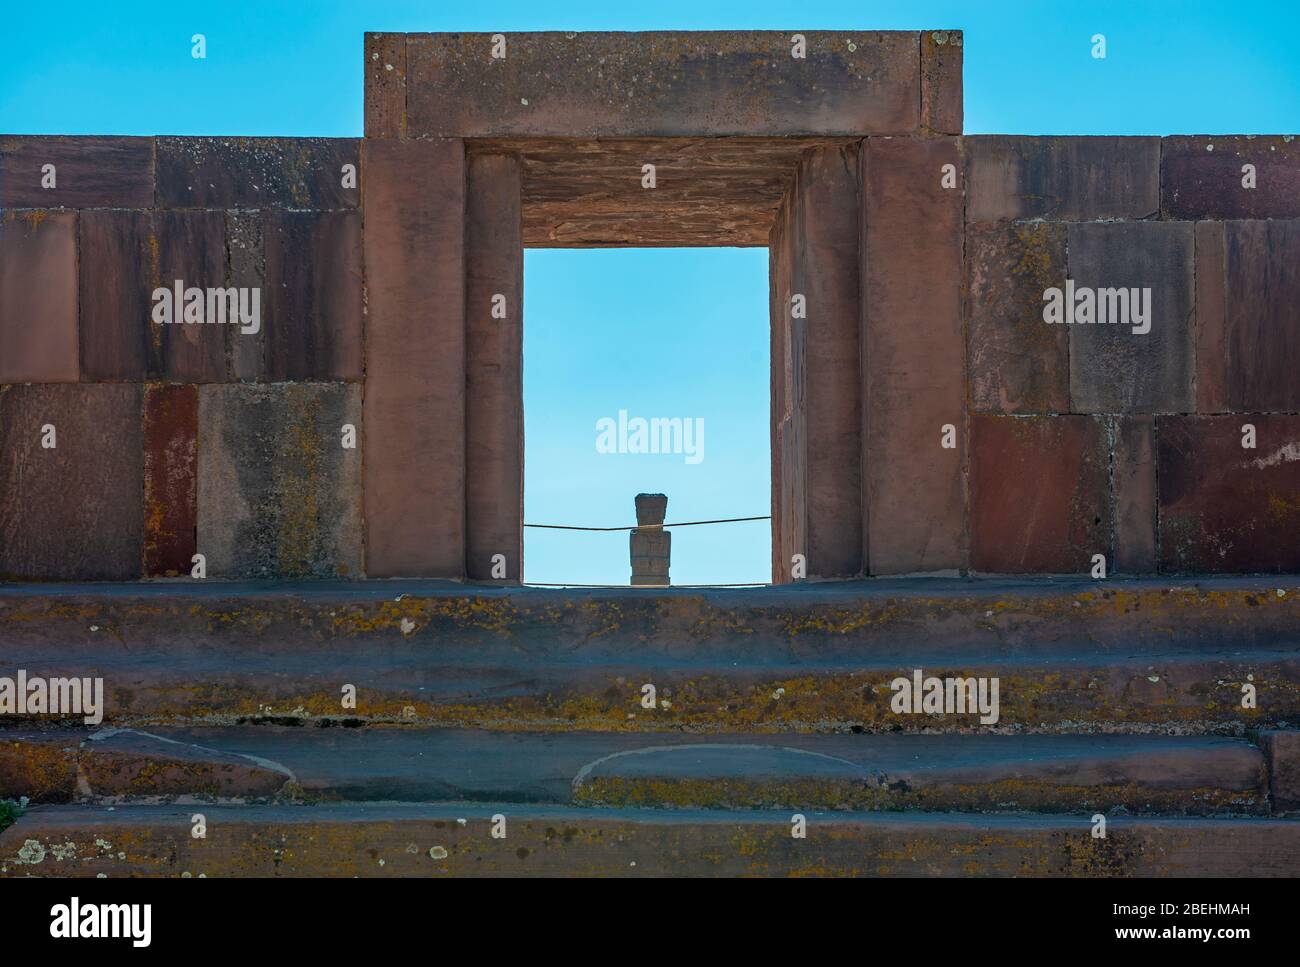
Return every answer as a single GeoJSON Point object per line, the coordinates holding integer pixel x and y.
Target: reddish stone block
{"type": "Point", "coordinates": [494, 454]}
{"type": "Point", "coordinates": [941, 82]}
{"type": "Point", "coordinates": [125, 256]}
{"type": "Point", "coordinates": [1225, 508]}
{"type": "Point", "coordinates": [1018, 363]}
{"type": "Point", "coordinates": [1211, 319]}
{"type": "Point", "coordinates": [913, 357]}
{"type": "Point", "coordinates": [171, 415]}
{"type": "Point", "coordinates": [1061, 178]}
{"type": "Point", "coordinates": [277, 173]}
{"type": "Point", "coordinates": [71, 512]}
{"type": "Point", "coordinates": [312, 305]}
{"type": "Point", "coordinates": [89, 172]}
{"type": "Point", "coordinates": [1134, 472]}
{"type": "Point", "coordinates": [788, 450]}
{"type": "Point", "coordinates": [1283, 751]}
{"type": "Point", "coordinates": [38, 297]}
{"type": "Point", "coordinates": [415, 358]}
{"type": "Point", "coordinates": [1262, 294]}
{"type": "Point", "coordinates": [1202, 176]}
{"type": "Point", "coordinates": [1113, 369]}
{"type": "Point", "coordinates": [708, 83]}
{"type": "Point", "coordinates": [1040, 497]}
{"type": "Point", "coordinates": [385, 72]}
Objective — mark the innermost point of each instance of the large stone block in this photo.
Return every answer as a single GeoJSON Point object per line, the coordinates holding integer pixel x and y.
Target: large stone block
{"type": "Point", "coordinates": [38, 297]}
{"type": "Point", "coordinates": [1040, 493]}
{"type": "Point", "coordinates": [279, 173]}
{"type": "Point", "coordinates": [1018, 363]}
{"type": "Point", "coordinates": [1061, 178]}
{"type": "Point", "coordinates": [71, 512]}
{"type": "Point", "coordinates": [494, 419]}
{"type": "Point", "coordinates": [385, 72]}
{"type": "Point", "coordinates": [88, 172]}
{"type": "Point", "coordinates": [171, 416]}
{"type": "Point", "coordinates": [1205, 176]}
{"type": "Point", "coordinates": [278, 494]}
{"type": "Point", "coordinates": [415, 358]}
{"type": "Point", "coordinates": [1283, 751]}
{"type": "Point", "coordinates": [313, 303]}
{"type": "Point", "coordinates": [1224, 507]}
{"type": "Point", "coordinates": [941, 82]}
{"type": "Point", "coordinates": [125, 256]}
{"type": "Point", "coordinates": [712, 83]}
{"type": "Point", "coordinates": [1249, 332]}
{"type": "Point", "coordinates": [246, 352]}
{"type": "Point", "coordinates": [913, 357]}
{"type": "Point", "coordinates": [1113, 368]}
{"type": "Point", "coordinates": [1134, 473]}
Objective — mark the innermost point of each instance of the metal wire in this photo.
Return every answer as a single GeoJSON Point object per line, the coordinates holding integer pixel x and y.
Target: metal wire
{"type": "Point", "coordinates": [686, 523]}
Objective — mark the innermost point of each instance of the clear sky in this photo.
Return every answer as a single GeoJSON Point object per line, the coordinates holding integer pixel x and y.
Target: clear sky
{"type": "Point", "coordinates": [657, 333]}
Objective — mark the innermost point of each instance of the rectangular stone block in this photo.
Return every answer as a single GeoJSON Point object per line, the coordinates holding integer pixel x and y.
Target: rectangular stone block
{"type": "Point", "coordinates": [313, 302]}
{"type": "Point", "coordinates": [941, 81]}
{"type": "Point", "coordinates": [277, 173]}
{"type": "Point", "coordinates": [1018, 363]}
{"type": "Point", "coordinates": [415, 358]}
{"type": "Point", "coordinates": [1224, 507]}
{"type": "Point", "coordinates": [913, 358]}
{"type": "Point", "coordinates": [171, 415]}
{"type": "Point", "coordinates": [651, 552]}
{"type": "Point", "coordinates": [1204, 176]}
{"type": "Point", "coordinates": [1040, 498]}
{"type": "Point", "coordinates": [1283, 751]}
{"type": "Point", "coordinates": [1134, 473]}
{"type": "Point", "coordinates": [246, 351]}
{"type": "Point", "coordinates": [385, 72]}
{"type": "Point", "coordinates": [494, 419]}
{"type": "Point", "coordinates": [1211, 319]}
{"type": "Point", "coordinates": [788, 413]}
{"type": "Point", "coordinates": [279, 495]}
{"type": "Point", "coordinates": [1114, 369]}
{"type": "Point", "coordinates": [1061, 178]}
{"type": "Point", "coordinates": [70, 511]}
{"type": "Point", "coordinates": [38, 297]}
{"type": "Point", "coordinates": [125, 256]}
{"type": "Point", "coordinates": [709, 83]}
{"type": "Point", "coordinates": [88, 172]}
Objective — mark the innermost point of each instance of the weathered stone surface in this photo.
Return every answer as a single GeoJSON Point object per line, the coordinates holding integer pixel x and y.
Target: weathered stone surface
{"type": "Point", "coordinates": [89, 172]}
{"type": "Point", "coordinates": [821, 372]}
{"type": "Point", "coordinates": [1202, 176]}
{"type": "Point", "coordinates": [659, 83]}
{"type": "Point", "coordinates": [651, 508]}
{"type": "Point", "coordinates": [415, 358]}
{"type": "Point", "coordinates": [1040, 496]}
{"type": "Point", "coordinates": [125, 256]}
{"type": "Point", "coordinates": [1211, 319]}
{"type": "Point", "coordinates": [279, 495]}
{"type": "Point", "coordinates": [1224, 507]}
{"type": "Point", "coordinates": [651, 552]}
{"type": "Point", "coordinates": [1113, 369]}
{"type": "Point", "coordinates": [1018, 363]}
{"type": "Point", "coordinates": [313, 304]}
{"type": "Point", "coordinates": [71, 512]}
{"type": "Point", "coordinates": [171, 416]}
{"type": "Point", "coordinates": [788, 419]}
{"type": "Point", "coordinates": [941, 83]}
{"type": "Point", "coordinates": [494, 416]}
{"type": "Point", "coordinates": [385, 72]}
{"type": "Point", "coordinates": [38, 297]}
{"type": "Point", "coordinates": [1262, 295]}
{"type": "Point", "coordinates": [1134, 472]}
{"type": "Point", "coordinates": [279, 173]}
{"type": "Point", "coordinates": [1061, 178]}
{"type": "Point", "coordinates": [1283, 751]}
{"type": "Point", "coordinates": [246, 351]}
{"type": "Point", "coordinates": [913, 357]}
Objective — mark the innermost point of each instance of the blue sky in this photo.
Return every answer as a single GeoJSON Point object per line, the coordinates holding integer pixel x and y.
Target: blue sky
{"type": "Point", "coordinates": [658, 333]}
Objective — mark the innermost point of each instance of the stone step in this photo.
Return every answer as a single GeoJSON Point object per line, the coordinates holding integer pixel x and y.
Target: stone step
{"type": "Point", "coordinates": [385, 839]}
{"type": "Point", "coordinates": [1172, 775]}
{"type": "Point", "coordinates": [1068, 655]}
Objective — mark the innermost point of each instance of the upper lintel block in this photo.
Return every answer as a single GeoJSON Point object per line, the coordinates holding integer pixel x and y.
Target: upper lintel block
{"type": "Point", "coordinates": [652, 84]}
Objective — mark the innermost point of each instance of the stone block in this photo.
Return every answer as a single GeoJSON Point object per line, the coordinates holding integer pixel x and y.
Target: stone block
{"type": "Point", "coordinates": [89, 172]}
{"type": "Point", "coordinates": [1223, 507]}
{"type": "Point", "coordinates": [71, 512]}
{"type": "Point", "coordinates": [1061, 178]}
{"type": "Point", "coordinates": [1040, 493]}
{"type": "Point", "coordinates": [1282, 748]}
{"type": "Point", "coordinates": [277, 173]}
{"type": "Point", "coordinates": [1113, 368]}
{"type": "Point", "coordinates": [941, 81]}
{"type": "Point", "coordinates": [1018, 363]}
{"type": "Point", "coordinates": [171, 415]}
{"type": "Point", "coordinates": [651, 509]}
{"type": "Point", "coordinates": [385, 72]}
{"type": "Point", "coordinates": [1134, 472]}
{"type": "Point", "coordinates": [651, 557]}
{"type": "Point", "coordinates": [1204, 176]}
{"type": "Point", "coordinates": [38, 297]}
{"type": "Point", "coordinates": [279, 496]}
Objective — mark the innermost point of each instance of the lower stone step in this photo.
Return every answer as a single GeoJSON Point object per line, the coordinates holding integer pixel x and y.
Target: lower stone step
{"type": "Point", "coordinates": [1171, 775]}
{"type": "Point", "coordinates": [380, 839]}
